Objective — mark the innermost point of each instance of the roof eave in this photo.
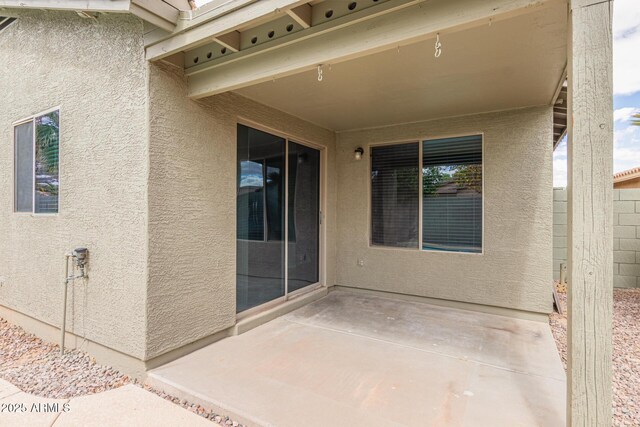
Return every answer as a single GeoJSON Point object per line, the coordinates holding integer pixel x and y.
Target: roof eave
{"type": "Point", "coordinates": [159, 13]}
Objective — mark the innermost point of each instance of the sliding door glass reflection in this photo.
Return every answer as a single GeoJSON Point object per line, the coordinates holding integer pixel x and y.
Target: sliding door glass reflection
{"type": "Point", "coordinates": [304, 216]}
{"type": "Point", "coordinates": [260, 218]}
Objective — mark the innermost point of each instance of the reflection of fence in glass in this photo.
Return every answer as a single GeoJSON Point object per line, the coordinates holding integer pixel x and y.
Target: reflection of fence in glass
{"type": "Point", "coordinates": [47, 163]}
{"type": "Point", "coordinates": [452, 194]}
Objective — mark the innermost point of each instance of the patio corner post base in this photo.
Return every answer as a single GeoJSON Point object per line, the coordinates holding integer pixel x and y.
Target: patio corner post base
{"type": "Point", "coordinates": [590, 160]}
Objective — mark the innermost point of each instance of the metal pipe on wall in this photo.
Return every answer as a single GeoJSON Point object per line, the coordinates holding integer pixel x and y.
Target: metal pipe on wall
{"type": "Point", "coordinates": [64, 302]}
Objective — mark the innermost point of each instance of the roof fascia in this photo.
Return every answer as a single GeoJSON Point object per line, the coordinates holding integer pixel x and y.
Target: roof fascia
{"type": "Point", "coordinates": [158, 13]}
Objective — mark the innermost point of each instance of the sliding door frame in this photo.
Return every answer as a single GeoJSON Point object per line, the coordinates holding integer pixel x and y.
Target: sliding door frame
{"type": "Point", "coordinates": [321, 217]}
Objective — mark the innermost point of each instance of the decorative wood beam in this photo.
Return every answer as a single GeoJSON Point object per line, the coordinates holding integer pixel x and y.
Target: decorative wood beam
{"type": "Point", "coordinates": [373, 30]}
{"type": "Point", "coordinates": [191, 37]}
{"type": "Point", "coordinates": [301, 14]}
{"type": "Point", "coordinates": [590, 196]}
{"type": "Point", "coordinates": [229, 40]}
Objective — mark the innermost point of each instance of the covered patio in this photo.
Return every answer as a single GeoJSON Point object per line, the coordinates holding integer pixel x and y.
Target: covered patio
{"type": "Point", "coordinates": [352, 359]}
{"type": "Point", "coordinates": [508, 79]}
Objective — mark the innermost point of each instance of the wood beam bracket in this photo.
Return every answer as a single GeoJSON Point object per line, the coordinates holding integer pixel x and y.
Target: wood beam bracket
{"type": "Point", "coordinates": [301, 14]}
{"type": "Point", "coordinates": [229, 40]}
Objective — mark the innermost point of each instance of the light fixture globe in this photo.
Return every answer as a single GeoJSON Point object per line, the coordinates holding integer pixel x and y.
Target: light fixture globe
{"type": "Point", "coordinates": [358, 153]}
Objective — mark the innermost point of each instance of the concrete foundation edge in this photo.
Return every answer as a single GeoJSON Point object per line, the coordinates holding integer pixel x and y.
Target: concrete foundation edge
{"type": "Point", "coordinates": [104, 355]}
{"type": "Point", "coordinates": [137, 368]}
{"type": "Point", "coordinates": [263, 317]}
{"type": "Point", "coordinates": [501, 311]}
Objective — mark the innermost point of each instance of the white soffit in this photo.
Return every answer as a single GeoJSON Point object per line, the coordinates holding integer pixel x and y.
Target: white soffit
{"type": "Point", "coordinates": [509, 64]}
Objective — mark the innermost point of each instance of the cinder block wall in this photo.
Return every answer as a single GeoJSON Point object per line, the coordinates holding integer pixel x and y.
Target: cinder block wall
{"type": "Point", "coordinates": [626, 235]}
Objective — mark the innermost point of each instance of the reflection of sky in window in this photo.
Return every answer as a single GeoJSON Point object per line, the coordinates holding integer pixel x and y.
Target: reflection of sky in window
{"type": "Point", "coordinates": [446, 170]}
{"type": "Point", "coordinates": [45, 120]}
{"type": "Point", "coordinates": [251, 174]}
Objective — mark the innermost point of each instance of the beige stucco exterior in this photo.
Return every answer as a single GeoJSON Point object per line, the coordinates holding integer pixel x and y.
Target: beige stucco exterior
{"type": "Point", "coordinates": [514, 269]}
{"type": "Point", "coordinates": [192, 205]}
{"type": "Point", "coordinates": [95, 72]}
{"type": "Point", "coordinates": [148, 184]}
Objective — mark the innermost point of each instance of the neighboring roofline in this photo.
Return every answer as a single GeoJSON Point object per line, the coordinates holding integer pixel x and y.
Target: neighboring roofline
{"type": "Point", "coordinates": [626, 175]}
{"type": "Point", "coordinates": [161, 13]}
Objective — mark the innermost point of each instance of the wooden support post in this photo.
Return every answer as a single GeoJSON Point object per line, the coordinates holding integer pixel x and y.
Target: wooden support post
{"type": "Point", "coordinates": [590, 195]}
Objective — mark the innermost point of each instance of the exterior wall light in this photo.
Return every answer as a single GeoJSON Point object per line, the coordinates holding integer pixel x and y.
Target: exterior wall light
{"type": "Point", "coordinates": [358, 153]}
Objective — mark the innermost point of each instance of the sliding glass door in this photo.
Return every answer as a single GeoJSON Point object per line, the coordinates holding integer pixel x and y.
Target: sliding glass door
{"type": "Point", "coordinates": [304, 217]}
{"type": "Point", "coordinates": [260, 218]}
{"type": "Point", "coordinates": [278, 201]}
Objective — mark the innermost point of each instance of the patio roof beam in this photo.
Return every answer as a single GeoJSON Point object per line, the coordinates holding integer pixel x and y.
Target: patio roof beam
{"type": "Point", "coordinates": [590, 196]}
{"type": "Point", "coordinates": [404, 22]}
{"type": "Point", "coordinates": [229, 17]}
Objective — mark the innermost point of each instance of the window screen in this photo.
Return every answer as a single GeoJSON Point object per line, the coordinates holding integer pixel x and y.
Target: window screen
{"type": "Point", "coordinates": [452, 194]}
{"type": "Point", "coordinates": [394, 195]}
{"type": "Point", "coordinates": [23, 174]}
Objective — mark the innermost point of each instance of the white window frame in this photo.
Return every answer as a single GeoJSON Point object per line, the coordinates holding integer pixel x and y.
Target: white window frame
{"type": "Point", "coordinates": [420, 141]}
{"type": "Point", "coordinates": [32, 119]}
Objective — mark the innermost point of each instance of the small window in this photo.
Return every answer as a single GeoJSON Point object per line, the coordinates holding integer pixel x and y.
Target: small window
{"type": "Point", "coordinates": [36, 150]}
{"type": "Point", "coordinates": [445, 183]}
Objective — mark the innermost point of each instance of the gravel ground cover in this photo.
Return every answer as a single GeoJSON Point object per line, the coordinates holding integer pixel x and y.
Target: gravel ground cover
{"type": "Point", "coordinates": [36, 367]}
{"type": "Point", "coordinates": [626, 353]}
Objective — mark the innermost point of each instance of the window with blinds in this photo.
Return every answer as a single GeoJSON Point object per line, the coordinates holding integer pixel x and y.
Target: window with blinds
{"type": "Point", "coordinates": [395, 195]}
{"type": "Point", "coordinates": [36, 175]}
{"type": "Point", "coordinates": [451, 196]}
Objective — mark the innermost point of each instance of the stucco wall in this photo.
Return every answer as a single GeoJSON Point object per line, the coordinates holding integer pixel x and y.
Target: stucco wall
{"type": "Point", "coordinates": [514, 270]}
{"type": "Point", "coordinates": [96, 73]}
{"type": "Point", "coordinates": [192, 206]}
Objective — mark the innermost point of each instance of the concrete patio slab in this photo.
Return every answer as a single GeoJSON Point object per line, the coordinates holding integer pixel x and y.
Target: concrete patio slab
{"type": "Point", "coordinates": [351, 359]}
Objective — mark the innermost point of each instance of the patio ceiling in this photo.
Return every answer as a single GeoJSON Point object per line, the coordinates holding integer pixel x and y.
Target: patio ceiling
{"type": "Point", "coordinates": [506, 64]}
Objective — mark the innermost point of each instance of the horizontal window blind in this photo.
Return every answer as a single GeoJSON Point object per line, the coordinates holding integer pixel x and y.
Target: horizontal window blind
{"type": "Point", "coordinates": [452, 194]}
{"type": "Point", "coordinates": [395, 195]}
